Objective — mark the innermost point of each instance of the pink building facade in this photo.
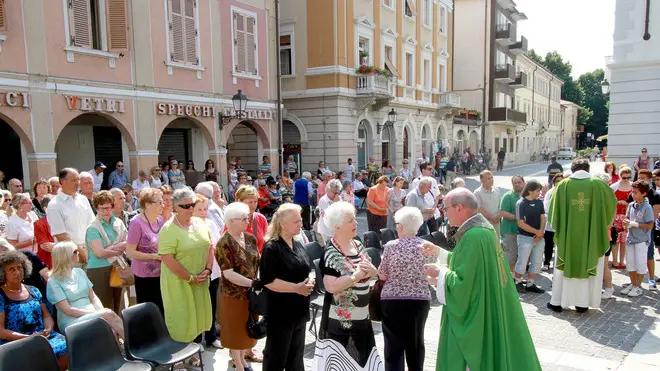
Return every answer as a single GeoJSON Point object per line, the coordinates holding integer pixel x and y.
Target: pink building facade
{"type": "Point", "coordinates": [134, 81]}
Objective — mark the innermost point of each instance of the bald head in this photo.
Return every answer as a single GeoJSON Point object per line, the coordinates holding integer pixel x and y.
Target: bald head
{"type": "Point", "coordinates": [15, 186]}
{"type": "Point", "coordinates": [462, 196]}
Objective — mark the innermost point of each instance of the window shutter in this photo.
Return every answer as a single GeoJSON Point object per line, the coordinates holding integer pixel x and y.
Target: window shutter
{"type": "Point", "coordinates": [80, 23]}
{"type": "Point", "coordinates": [117, 21]}
{"type": "Point", "coordinates": [251, 44]}
{"type": "Point", "coordinates": [190, 31]}
{"type": "Point", "coordinates": [176, 32]}
{"type": "Point", "coordinates": [239, 43]}
{"type": "Point", "coordinates": [3, 23]}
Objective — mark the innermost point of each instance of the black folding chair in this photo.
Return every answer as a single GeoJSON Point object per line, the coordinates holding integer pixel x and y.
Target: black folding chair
{"type": "Point", "coordinates": [314, 251]}
{"type": "Point", "coordinates": [387, 235]}
{"type": "Point", "coordinates": [317, 298]}
{"type": "Point", "coordinates": [311, 236]}
{"type": "Point", "coordinates": [374, 254]}
{"type": "Point", "coordinates": [371, 239]}
{"type": "Point", "coordinates": [32, 353]}
{"type": "Point", "coordinates": [91, 345]}
{"type": "Point", "coordinates": [147, 338]}
{"type": "Point", "coordinates": [429, 238]}
{"type": "Point", "coordinates": [441, 240]}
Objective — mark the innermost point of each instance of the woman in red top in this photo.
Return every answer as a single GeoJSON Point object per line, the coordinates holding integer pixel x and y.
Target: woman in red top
{"type": "Point", "coordinates": [610, 169]}
{"type": "Point", "coordinates": [45, 240]}
{"type": "Point", "coordinates": [622, 190]}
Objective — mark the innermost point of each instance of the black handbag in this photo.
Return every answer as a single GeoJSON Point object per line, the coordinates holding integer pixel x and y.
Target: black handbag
{"type": "Point", "coordinates": [258, 299]}
{"type": "Point", "coordinates": [375, 309]}
{"type": "Point", "coordinates": [256, 329]}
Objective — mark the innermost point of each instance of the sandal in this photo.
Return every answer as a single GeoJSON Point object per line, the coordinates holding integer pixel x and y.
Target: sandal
{"type": "Point", "coordinates": [194, 361]}
{"type": "Point", "coordinates": [254, 358]}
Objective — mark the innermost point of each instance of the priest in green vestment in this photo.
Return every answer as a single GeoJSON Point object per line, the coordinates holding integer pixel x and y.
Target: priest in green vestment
{"type": "Point", "coordinates": [581, 211]}
{"type": "Point", "coordinates": [483, 327]}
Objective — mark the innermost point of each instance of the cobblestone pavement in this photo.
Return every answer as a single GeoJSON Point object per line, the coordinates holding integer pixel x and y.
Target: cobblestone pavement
{"type": "Point", "coordinates": [598, 340]}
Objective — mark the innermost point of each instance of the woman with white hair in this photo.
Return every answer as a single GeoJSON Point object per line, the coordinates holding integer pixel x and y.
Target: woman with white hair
{"type": "Point", "coordinates": [141, 182]}
{"type": "Point", "coordinates": [346, 337]}
{"type": "Point", "coordinates": [20, 226]}
{"type": "Point", "coordinates": [405, 298]}
{"type": "Point", "coordinates": [284, 270]}
{"type": "Point", "coordinates": [238, 257]}
{"type": "Point", "coordinates": [184, 246]}
{"type": "Point", "coordinates": [332, 191]}
{"type": "Point", "coordinates": [458, 183]}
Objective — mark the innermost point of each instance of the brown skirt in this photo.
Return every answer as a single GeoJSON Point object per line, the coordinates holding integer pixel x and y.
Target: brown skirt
{"type": "Point", "coordinates": [110, 296]}
{"type": "Point", "coordinates": [233, 322]}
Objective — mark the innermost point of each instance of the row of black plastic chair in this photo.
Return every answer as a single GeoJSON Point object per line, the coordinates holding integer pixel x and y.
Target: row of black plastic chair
{"type": "Point", "coordinates": [91, 345]}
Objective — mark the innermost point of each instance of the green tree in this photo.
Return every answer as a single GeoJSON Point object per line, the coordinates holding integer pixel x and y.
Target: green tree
{"type": "Point", "coordinates": [595, 101]}
{"type": "Point", "coordinates": [535, 57]}
{"type": "Point", "coordinates": [584, 115]}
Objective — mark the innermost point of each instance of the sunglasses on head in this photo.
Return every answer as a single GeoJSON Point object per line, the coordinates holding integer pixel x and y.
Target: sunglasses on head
{"type": "Point", "coordinates": [187, 206]}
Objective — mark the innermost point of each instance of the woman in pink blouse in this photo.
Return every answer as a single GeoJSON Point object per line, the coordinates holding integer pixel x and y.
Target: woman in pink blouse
{"type": "Point", "coordinates": [405, 298]}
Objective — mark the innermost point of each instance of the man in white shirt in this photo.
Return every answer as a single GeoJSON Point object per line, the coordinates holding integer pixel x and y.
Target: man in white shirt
{"type": "Point", "coordinates": [488, 198]}
{"type": "Point", "coordinates": [426, 170]}
{"type": "Point", "coordinates": [350, 170]}
{"type": "Point", "coordinates": [69, 213]}
{"type": "Point", "coordinates": [97, 175]}
{"type": "Point", "coordinates": [359, 189]}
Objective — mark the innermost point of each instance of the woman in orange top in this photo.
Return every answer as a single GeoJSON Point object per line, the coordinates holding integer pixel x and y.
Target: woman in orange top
{"type": "Point", "coordinates": [377, 205]}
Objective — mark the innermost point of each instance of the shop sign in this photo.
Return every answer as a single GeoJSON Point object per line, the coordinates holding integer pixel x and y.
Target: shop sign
{"type": "Point", "coordinates": [93, 104]}
{"type": "Point", "coordinates": [254, 114]}
{"type": "Point", "coordinates": [194, 110]}
{"type": "Point", "coordinates": [292, 148]}
{"type": "Point", "coordinates": [14, 99]}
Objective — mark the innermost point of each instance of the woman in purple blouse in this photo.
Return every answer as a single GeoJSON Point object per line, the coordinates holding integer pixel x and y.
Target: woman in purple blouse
{"type": "Point", "coordinates": [405, 298]}
{"type": "Point", "coordinates": [142, 247]}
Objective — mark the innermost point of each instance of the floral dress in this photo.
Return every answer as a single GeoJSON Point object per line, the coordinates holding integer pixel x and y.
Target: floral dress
{"type": "Point", "coordinates": [26, 317]}
{"type": "Point", "coordinates": [346, 338]}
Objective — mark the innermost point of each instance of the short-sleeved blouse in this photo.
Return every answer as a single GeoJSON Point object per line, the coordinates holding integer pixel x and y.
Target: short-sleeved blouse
{"type": "Point", "coordinates": [403, 264]}
{"type": "Point", "coordinates": [26, 317]}
{"type": "Point", "coordinates": [145, 238]}
{"type": "Point", "coordinates": [396, 202]}
{"type": "Point", "coordinates": [243, 260]}
{"type": "Point", "coordinates": [75, 290]}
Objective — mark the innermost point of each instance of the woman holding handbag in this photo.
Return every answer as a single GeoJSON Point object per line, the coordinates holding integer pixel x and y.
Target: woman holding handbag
{"type": "Point", "coordinates": [284, 269]}
{"type": "Point", "coordinates": [238, 258]}
{"type": "Point", "coordinates": [105, 240]}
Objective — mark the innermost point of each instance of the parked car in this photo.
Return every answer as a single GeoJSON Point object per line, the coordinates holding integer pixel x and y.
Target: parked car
{"type": "Point", "coordinates": [566, 153]}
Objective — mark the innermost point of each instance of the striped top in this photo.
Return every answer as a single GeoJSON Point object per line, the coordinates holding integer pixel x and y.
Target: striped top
{"type": "Point", "coordinates": [345, 311]}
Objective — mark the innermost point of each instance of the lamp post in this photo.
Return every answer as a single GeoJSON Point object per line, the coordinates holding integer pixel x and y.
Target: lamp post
{"type": "Point", "coordinates": [605, 87]}
{"type": "Point", "coordinates": [391, 119]}
{"type": "Point", "coordinates": [239, 100]}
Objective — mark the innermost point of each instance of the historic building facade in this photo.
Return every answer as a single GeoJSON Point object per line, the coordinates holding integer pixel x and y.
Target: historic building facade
{"type": "Point", "coordinates": [346, 64]}
{"type": "Point", "coordinates": [134, 81]}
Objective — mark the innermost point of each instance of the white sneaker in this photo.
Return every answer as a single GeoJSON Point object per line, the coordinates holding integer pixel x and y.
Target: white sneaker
{"type": "Point", "coordinates": [607, 293]}
{"type": "Point", "coordinates": [217, 344]}
{"type": "Point", "coordinates": [636, 291]}
{"type": "Point", "coordinates": [626, 289]}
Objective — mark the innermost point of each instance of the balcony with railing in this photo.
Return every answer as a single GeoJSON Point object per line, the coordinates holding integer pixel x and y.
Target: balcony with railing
{"type": "Point", "coordinates": [505, 34]}
{"type": "Point", "coordinates": [375, 85]}
{"type": "Point", "coordinates": [449, 100]}
{"type": "Point", "coordinates": [519, 47]}
{"type": "Point", "coordinates": [505, 73]}
{"type": "Point", "coordinates": [507, 114]}
{"type": "Point", "coordinates": [427, 96]}
{"type": "Point", "coordinates": [409, 92]}
{"type": "Point", "coordinates": [520, 81]}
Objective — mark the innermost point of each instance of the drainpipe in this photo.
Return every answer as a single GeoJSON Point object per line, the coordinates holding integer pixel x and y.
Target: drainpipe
{"type": "Point", "coordinates": [279, 85]}
{"type": "Point", "coordinates": [486, 92]}
{"type": "Point", "coordinates": [552, 77]}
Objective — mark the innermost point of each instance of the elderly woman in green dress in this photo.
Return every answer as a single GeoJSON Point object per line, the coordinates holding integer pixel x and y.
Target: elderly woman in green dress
{"type": "Point", "coordinates": [184, 245]}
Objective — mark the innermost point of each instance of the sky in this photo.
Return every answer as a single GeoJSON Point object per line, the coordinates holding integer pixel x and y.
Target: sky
{"type": "Point", "coordinates": [579, 30]}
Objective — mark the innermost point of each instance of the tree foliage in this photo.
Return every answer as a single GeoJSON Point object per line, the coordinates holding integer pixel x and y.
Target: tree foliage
{"type": "Point", "coordinates": [595, 101]}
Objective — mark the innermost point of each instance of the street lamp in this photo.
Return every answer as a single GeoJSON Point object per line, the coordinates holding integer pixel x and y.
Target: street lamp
{"type": "Point", "coordinates": [239, 100]}
{"type": "Point", "coordinates": [391, 119]}
{"type": "Point", "coordinates": [605, 87]}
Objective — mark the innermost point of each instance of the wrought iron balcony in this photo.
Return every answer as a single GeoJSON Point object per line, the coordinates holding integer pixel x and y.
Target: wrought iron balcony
{"type": "Point", "coordinates": [505, 34]}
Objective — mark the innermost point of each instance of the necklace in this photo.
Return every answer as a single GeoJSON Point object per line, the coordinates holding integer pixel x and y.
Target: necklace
{"type": "Point", "coordinates": [176, 217]}
{"type": "Point", "coordinates": [13, 290]}
{"type": "Point", "coordinates": [336, 244]}
{"type": "Point", "coordinates": [149, 223]}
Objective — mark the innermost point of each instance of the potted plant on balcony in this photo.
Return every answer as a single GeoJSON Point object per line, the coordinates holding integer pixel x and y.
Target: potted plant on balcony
{"type": "Point", "coordinates": [468, 114]}
{"type": "Point", "coordinates": [372, 70]}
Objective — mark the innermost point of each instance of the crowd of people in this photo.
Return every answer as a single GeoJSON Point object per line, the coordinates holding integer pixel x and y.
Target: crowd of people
{"type": "Point", "coordinates": [81, 248]}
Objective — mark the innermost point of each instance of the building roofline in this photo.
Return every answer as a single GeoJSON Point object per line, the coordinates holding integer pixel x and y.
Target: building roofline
{"type": "Point", "coordinates": [540, 66]}
{"type": "Point", "coordinates": [568, 103]}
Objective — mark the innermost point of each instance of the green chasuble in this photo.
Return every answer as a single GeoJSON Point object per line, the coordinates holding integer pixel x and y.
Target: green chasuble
{"type": "Point", "coordinates": [581, 212]}
{"type": "Point", "coordinates": [483, 326]}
